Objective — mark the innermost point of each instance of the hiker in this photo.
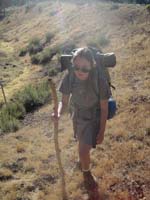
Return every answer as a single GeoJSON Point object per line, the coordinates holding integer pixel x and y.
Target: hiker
{"type": "Point", "coordinates": [89, 110]}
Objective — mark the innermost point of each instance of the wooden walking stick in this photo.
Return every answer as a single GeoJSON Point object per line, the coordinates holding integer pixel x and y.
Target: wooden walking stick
{"type": "Point", "coordinates": [1, 84]}
{"type": "Point", "coordinates": [55, 100]}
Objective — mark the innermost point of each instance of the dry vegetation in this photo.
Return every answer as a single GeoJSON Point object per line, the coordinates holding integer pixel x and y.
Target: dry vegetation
{"type": "Point", "coordinates": [28, 167]}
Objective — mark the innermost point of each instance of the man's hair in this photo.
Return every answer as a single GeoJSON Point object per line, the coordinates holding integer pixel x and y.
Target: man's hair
{"type": "Point", "coordinates": [86, 53]}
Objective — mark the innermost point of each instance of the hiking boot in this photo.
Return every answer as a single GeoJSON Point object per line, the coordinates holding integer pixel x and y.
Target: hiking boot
{"type": "Point", "coordinates": [90, 182]}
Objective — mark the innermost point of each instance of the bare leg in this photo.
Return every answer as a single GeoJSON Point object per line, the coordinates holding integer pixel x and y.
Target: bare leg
{"type": "Point", "coordinates": [84, 155]}
{"type": "Point", "coordinates": [90, 182]}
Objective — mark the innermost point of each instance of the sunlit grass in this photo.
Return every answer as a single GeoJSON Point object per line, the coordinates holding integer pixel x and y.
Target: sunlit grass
{"type": "Point", "coordinates": [122, 158]}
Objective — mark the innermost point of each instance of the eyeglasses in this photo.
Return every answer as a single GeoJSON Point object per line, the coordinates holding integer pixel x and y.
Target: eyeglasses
{"type": "Point", "coordinates": [81, 69]}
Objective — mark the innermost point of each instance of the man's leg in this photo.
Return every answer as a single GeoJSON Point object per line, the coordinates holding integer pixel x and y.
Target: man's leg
{"type": "Point", "coordinates": [84, 155]}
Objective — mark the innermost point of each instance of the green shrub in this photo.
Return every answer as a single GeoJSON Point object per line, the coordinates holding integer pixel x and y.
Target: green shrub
{"type": "Point", "coordinates": [148, 8]}
{"type": "Point", "coordinates": [29, 7]}
{"type": "Point", "coordinates": [40, 9]}
{"type": "Point", "coordinates": [8, 123]}
{"type": "Point", "coordinates": [103, 40]}
{"type": "Point", "coordinates": [14, 109]}
{"type": "Point", "coordinates": [34, 41]}
{"type": "Point", "coordinates": [48, 37]}
{"type": "Point", "coordinates": [34, 96]}
{"type": "Point", "coordinates": [93, 44]}
{"type": "Point", "coordinates": [53, 13]}
{"type": "Point", "coordinates": [23, 52]}
{"type": "Point", "coordinates": [47, 55]}
{"type": "Point", "coordinates": [53, 71]}
{"type": "Point", "coordinates": [27, 100]}
{"type": "Point", "coordinates": [114, 7]}
{"type": "Point", "coordinates": [34, 46]}
{"type": "Point", "coordinates": [10, 115]}
{"type": "Point", "coordinates": [44, 57]}
{"type": "Point", "coordinates": [35, 59]}
{"type": "Point", "coordinates": [67, 47]}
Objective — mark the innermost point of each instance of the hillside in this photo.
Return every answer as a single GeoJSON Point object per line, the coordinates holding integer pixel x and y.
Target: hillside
{"type": "Point", "coordinates": [28, 166]}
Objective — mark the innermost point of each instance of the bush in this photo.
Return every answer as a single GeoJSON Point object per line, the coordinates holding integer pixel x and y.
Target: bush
{"type": "Point", "coordinates": [34, 41]}
{"type": "Point", "coordinates": [29, 7]}
{"type": "Point", "coordinates": [35, 59]}
{"type": "Point", "coordinates": [148, 8]}
{"type": "Point", "coordinates": [9, 116]}
{"type": "Point", "coordinates": [15, 109]}
{"type": "Point", "coordinates": [103, 40]}
{"type": "Point", "coordinates": [23, 52]}
{"type": "Point", "coordinates": [53, 13]}
{"type": "Point", "coordinates": [27, 100]}
{"type": "Point", "coordinates": [93, 44]}
{"type": "Point", "coordinates": [47, 55]}
{"type": "Point", "coordinates": [43, 57]}
{"type": "Point", "coordinates": [53, 71]}
{"type": "Point", "coordinates": [34, 96]}
{"type": "Point", "coordinates": [48, 37]}
{"type": "Point", "coordinates": [34, 46]}
{"type": "Point", "coordinates": [114, 7]}
{"type": "Point", "coordinates": [99, 42]}
{"type": "Point", "coordinates": [67, 47]}
{"type": "Point", "coordinates": [8, 123]}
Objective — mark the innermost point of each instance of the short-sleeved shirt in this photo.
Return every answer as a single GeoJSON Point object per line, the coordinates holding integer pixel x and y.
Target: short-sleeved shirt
{"type": "Point", "coordinates": [86, 96]}
{"type": "Point", "coordinates": [85, 93]}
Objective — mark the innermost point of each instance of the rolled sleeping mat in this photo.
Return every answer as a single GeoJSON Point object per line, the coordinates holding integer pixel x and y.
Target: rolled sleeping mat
{"type": "Point", "coordinates": [106, 59]}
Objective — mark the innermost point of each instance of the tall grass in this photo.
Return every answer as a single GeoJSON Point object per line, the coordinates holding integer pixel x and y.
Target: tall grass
{"type": "Point", "coordinates": [10, 115]}
{"type": "Point", "coordinates": [34, 96]}
{"type": "Point", "coordinates": [25, 101]}
{"type": "Point", "coordinates": [34, 46]}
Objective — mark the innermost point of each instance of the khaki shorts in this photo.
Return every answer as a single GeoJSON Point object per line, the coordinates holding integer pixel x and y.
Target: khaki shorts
{"type": "Point", "coordinates": [86, 127]}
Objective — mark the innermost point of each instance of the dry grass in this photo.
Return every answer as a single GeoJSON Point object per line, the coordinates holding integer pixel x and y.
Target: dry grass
{"type": "Point", "coordinates": [28, 166]}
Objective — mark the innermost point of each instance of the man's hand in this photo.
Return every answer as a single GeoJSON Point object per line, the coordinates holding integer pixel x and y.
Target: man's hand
{"type": "Point", "coordinates": [55, 117]}
{"type": "Point", "coordinates": [100, 138]}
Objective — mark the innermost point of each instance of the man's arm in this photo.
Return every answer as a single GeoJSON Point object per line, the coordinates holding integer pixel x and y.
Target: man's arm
{"type": "Point", "coordinates": [103, 119]}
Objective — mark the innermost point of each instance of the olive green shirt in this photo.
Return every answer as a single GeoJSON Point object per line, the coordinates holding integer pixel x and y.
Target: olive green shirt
{"type": "Point", "coordinates": [87, 93]}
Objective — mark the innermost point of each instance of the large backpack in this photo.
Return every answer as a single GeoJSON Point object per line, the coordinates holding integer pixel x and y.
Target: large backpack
{"type": "Point", "coordinates": [103, 62]}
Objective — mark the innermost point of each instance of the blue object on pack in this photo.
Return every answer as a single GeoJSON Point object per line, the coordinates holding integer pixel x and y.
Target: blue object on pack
{"type": "Point", "coordinates": [112, 107]}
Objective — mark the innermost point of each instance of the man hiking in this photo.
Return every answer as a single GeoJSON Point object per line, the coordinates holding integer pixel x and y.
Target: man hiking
{"type": "Point", "coordinates": [90, 111]}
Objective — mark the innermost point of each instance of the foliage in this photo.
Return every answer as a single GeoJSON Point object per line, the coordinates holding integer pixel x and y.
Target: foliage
{"type": "Point", "coordinates": [34, 46]}
{"type": "Point", "coordinates": [15, 109]}
{"type": "Point", "coordinates": [44, 57]}
{"type": "Point", "coordinates": [23, 52]}
{"type": "Point", "coordinates": [10, 115]}
{"type": "Point", "coordinates": [67, 47]}
{"type": "Point", "coordinates": [8, 123]}
{"type": "Point", "coordinates": [34, 96]}
{"type": "Point", "coordinates": [53, 71]}
{"type": "Point", "coordinates": [103, 40]}
{"type": "Point", "coordinates": [92, 44]}
{"type": "Point", "coordinates": [35, 59]}
{"type": "Point", "coordinates": [48, 37]}
{"type": "Point", "coordinates": [148, 8]}
{"type": "Point", "coordinates": [114, 7]}
{"type": "Point", "coordinates": [99, 41]}
{"type": "Point", "coordinates": [29, 7]}
{"type": "Point", "coordinates": [27, 100]}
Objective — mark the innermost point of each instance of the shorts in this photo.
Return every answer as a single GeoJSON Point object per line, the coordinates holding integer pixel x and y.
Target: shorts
{"type": "Point", "coordinates": [86, 125]}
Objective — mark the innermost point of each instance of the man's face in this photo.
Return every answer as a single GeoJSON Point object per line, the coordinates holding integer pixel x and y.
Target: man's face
{"type": "Point", "coordinates": [82, 68]}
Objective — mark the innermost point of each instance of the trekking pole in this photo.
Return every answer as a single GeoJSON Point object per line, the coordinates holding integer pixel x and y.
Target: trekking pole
{"type": "Point", "coordinates": [57, 149]}
{"type": "Point", "coordinates": [1, 84]}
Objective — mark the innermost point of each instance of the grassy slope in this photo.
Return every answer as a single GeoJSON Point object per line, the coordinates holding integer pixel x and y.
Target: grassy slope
{"type": "Point", "coordinates": [28, 156]}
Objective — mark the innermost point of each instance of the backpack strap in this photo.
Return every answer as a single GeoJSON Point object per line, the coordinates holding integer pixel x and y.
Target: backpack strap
{"type": "Point", "coordinates": [71, 78]}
